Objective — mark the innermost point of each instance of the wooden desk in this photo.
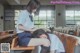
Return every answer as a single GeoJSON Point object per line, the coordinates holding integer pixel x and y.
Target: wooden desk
{"type": "Point", "coordinates": [6, 36]}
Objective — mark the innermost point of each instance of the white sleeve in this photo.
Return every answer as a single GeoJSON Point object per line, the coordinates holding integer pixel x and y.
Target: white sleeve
{"type": "Point", "coordinates": [22, 18]}
{"type": "Point", "coordinates": [56, 44]}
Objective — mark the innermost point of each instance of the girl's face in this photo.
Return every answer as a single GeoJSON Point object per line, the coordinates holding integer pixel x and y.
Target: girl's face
{"type": "Point", "coordinates": [43, 36]}
{"type": "Point", "coordinates": [34, 8]}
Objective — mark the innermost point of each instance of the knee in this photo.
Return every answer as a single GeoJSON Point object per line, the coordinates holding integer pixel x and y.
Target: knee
{"type": "Point", "coordinates": [46, 43]}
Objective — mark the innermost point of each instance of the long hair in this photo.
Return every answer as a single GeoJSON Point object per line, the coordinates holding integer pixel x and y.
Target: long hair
{"type": "Point", "coordinates": [38, 32]}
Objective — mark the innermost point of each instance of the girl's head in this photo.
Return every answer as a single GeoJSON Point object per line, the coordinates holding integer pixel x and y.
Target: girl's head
{"type": "Point", "coordinates": [40, 33]}
{"type": "Point", "coordinates": [33, 5]}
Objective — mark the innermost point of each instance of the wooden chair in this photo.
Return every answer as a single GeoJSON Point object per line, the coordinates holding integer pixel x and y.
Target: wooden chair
{"type": "Point", "coordinates": [4, 33]}
{"type": "Point", "coordinates": [15, 46]}
{"type": "Point", "coordinates": [0, 33]}
{"type": "Point", "coordinates": [70, 44]}
{"type": "Point", "coordinates": [63, 39]}
{"type": "Point", "coordinates": [59, 35]}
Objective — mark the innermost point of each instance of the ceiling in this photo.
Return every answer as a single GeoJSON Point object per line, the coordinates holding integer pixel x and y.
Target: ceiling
{"type": "Point", "coordinates": [24, 2]}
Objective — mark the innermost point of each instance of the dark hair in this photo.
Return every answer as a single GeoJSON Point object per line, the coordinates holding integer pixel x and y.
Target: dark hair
{"type": "Point", "coordinates": [34, 2]}
{"type": "Point", "coordinates": [38, 32]}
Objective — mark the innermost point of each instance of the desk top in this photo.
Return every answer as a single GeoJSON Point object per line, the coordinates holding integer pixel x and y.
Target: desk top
{"type": "Point", "coordinates": [6, 36]}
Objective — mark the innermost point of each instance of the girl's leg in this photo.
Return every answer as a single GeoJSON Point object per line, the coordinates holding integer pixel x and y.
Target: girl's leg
{"type": "Point", "coordinates": [40, 41]}
{"type": "Point", "coordinates": [45, 49]}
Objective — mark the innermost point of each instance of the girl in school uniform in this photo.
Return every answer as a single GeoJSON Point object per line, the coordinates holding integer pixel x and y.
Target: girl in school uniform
{"type": "Point", "coordinates": [25, 26]}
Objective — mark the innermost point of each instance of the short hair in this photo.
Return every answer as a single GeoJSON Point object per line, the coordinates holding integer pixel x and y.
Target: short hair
{"type": "Point", "coordinates": [33, 2]}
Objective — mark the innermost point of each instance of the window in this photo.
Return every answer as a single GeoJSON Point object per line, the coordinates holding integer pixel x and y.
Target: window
{"type": "Point", "coordinates": [72, 17]}
{"type": "Point", "coordinates": [72, 14]}
{"type": "Point", "coordinates": [77, 17]}
{"type": "Point", "coordinates": [16, 16]}
{"type": "Point", "coordinates": [45, 19]}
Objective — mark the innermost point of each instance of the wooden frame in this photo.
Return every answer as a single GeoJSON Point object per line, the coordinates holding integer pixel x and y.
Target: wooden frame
{"type": "Point", "coordinates": [14, 45]}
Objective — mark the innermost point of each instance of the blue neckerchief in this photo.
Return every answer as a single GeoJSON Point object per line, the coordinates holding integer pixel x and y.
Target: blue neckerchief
{"type": "Point", "coordinates": [31, 18]}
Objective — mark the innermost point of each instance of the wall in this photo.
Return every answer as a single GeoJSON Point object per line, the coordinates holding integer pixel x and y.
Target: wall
{"type": "Point", "coordinates": [9, 19]}
{"type": "Point", "coordinates": [1, 14]}
{"type": "Point", "coordinates": [60, 15]}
